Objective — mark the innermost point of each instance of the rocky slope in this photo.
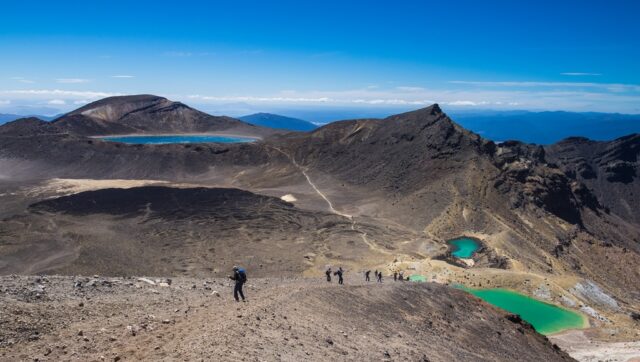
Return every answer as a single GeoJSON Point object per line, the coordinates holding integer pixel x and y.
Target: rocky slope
{"type": "Point", "coordinates": [159, 230]}
{"type": "Point", "coordinates": [383, 194]}
{"type": "Point", "coordinates": [56, 318]}
{"type": "Point", "coordinates": [611, 169]}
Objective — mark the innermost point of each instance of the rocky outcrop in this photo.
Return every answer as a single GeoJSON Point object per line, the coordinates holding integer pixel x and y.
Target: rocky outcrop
{"type": "Point", "coordinates": [608, 169]}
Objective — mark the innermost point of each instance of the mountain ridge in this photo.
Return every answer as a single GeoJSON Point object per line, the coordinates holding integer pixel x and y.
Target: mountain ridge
{"type": "Point", "coordinates": [142, 114]}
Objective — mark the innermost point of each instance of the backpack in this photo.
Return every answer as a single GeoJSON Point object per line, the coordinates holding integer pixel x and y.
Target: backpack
{"type": "Point", "coordinates": [242, 274]}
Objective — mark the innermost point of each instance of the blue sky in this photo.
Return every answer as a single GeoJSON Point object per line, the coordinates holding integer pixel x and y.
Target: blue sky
{"type": "Point", "coordinates": [234, 56]}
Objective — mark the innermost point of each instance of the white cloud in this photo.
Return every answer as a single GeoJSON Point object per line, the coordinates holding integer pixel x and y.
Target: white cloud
{"type": "Point", "coordinates": [122, 76]}
{"type": "Point", "coordinates": [259, 99]}
{"type": "Point", "coordinates": [58, 102]}
{"type": "Point", "coordinates": [579, 74]}
{"type": "Point", "coordinates": [57, 93]}
{"type": "Point", "coordinates": [493, 97]}
{"type": "Point", "coordinates": [5, 102]}
{"type": "Point", "coordinates": [23, 80]}
{"type": "Point", "coordinates": [72, 80]}
{"type": "Point", "coordinates": [80, 102]}
{"type": "Point", "coordinates": [409, 89]}
{"type": "Point", "coordinates": [470, 103]}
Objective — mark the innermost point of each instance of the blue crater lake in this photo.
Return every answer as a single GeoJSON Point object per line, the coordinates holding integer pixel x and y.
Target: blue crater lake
{"type": "Point", "coordinates": [464, 247]}
{"type": "Point", "coordinates": [166, 139]}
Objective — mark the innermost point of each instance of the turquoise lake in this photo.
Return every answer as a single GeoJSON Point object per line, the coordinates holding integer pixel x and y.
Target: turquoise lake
{"type": "Point", "coordinates": [464, 248]}
{"type": "Point", "coordinates": [544, 317]}
{"type": "Point", "coordinates": [166, 139]}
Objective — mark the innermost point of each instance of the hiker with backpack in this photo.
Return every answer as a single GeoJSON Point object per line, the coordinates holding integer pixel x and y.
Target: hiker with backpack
{"type": "Point", "coordinates": [240, 277]}
{"type": "Point", "coordinates": [328, 274]}
{"type": "Point", "coordinates": [339, 274]}
{"type": "Point", "coordinates": [366, 275]}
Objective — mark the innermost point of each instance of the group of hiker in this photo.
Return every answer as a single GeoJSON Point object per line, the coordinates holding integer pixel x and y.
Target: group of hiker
{"type": "Point", "coordinates": [397, 276]}
{"type": "Point", "coordinates": [240, 277]}
{"type": "Point", "coordinates": [338, 273]}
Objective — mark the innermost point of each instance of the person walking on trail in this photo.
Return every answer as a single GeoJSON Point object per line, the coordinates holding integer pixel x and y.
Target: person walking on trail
{"type": "Point", "coordinates": [328, 274]}
{"type": "Point", "coordinates": [395, 276]}
{"type": "Point", "coordinates": [339, 274]}
{"type": "Point", "coordinates": [240, 277]}
{"type": "Point", "coordinates": [379, 277]}
{"type": "Point", "coordinates": [402, 276]}
{"type": "Point", "coordinates": [366, 276]}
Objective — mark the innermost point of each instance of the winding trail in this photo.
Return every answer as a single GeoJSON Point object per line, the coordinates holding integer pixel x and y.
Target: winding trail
{"type": "Point", "coordinates": [363, 235]}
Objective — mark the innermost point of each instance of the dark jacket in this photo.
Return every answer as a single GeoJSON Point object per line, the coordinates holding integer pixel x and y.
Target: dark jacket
{"type": "Point", "coordinates": [239, 276]}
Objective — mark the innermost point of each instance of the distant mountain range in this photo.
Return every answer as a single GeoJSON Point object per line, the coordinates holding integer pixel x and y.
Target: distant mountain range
{"type": "Point", "coordinates": [547, 127]}
{"type": "Point", "coordinates": [532, 127]}
{"type": "Point", "coordinates": [4, 118]}
{"type": "Point", "coordinates": [277, 121]}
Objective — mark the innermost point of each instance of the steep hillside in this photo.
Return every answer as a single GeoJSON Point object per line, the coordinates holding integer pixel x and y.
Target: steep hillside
{"type": "Point", "coordinates": [611, 169]}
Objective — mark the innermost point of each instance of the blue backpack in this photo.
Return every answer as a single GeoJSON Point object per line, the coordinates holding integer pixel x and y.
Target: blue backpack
{"type": "Point", "coordinates": [242, 274]}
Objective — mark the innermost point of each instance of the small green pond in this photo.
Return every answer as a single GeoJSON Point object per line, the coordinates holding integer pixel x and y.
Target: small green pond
{"type": "Point", "coordinates": [464, 247]}
{"type": "Point", "coordinates": [417, 278]}
{"type": "Point", "coordinates": [546, 318]}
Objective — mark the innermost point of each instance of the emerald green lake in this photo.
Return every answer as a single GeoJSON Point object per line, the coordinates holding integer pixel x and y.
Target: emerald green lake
{"type": "Point", "coordinates": [546, 318]}
{"type": "Point", "coordinates": [417, 278]}
{"type": "Point", "coordinates": [464, 248]}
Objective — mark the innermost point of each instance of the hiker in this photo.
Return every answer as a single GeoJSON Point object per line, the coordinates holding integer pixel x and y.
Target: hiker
{"type": "Point", "coordinates": [240, 277]}
{"type": "Point", "coordinates": [395, 276]}
{"type": "Point", "coordinates": [402, 276]}
{"type": "Point", "coordinates": [328, 273]}
{"type": "Point", "coordinates": [339, 274]}
{"type": "Point", "coordinates": [379, 277]}
{"type": "Point", "coordinates": [366, 276]}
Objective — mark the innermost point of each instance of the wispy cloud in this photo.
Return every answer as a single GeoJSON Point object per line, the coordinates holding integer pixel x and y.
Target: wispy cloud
{"type": "Point", "coordinates": [466, 103]}
{"type": "Point", "coordinates": [493, 97]}
{"type": "Point", "coordinates": [579, 74]}
{"type": "Point", "coordinates": [5, 102]}
{"type": "Point", "coordinates": [409, 89]}
{"type": "Point", "coordinates": [72, 80]}
{"type": "Point", "coordinates": [122, 76]}
{"type": "Point", "coordinates": [23, 80]}
{"type": "Point", "coordinates": [57, 102]}
{"type": "Point", "coordinates": [610, 86]}
{"type": "Point", "coordinates": [259, 99]}
{"type": "Point", "coordinates": [57, 93]}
